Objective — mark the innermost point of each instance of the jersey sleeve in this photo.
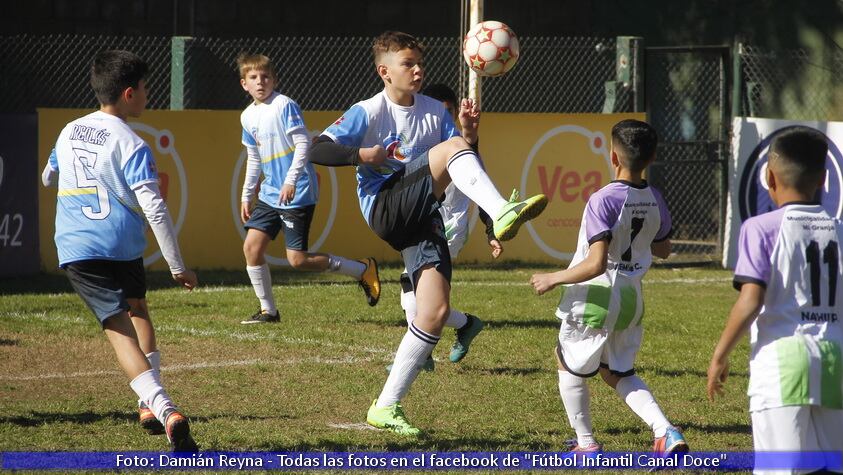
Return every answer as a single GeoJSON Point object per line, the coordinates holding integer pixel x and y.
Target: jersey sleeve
{"type": "Point", "coordinates": [666, 226]}
{"type": "Point", "coordinates": [140, 168]}
{"type": "Point", "coordinates": [754, 251]}
{"type": "Point", "coordinates": [350, 128]}
{"type": "Point", "coordinates": [53, 161]}
{"type": "Point", "coordinates": [599, 218]}
{"type": "Point", "coordinates": [292, 117]}
{"type": "Point", "coordinates": [247, 139]}
{"type": "Point", "coordinates": [449, 129]}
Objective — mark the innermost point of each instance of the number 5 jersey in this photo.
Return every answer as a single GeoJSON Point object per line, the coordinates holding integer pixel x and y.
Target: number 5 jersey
{"type": "Point", "coordinates": [793, 252]}
{"type": "Point", "coordinates": [630, 217]}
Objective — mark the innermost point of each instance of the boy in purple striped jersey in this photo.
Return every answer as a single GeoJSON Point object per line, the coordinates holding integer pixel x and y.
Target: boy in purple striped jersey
{"type": "Point", "coordinates": [624, 224]}
{"type": "Point", "coordinates": [789, 274]}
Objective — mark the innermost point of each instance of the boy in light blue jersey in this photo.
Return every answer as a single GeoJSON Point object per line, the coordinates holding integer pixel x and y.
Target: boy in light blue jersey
{"type": "Point", "coordinates": [624, 224]}
{"type": "Point", "coordinates": [276, 142]}
{"type": "Point", "coordinates": [107, 184]}
{"type": "Point", "coordinates": [789, 273]}
{"type": "Point", "coordinates": [407, 150]}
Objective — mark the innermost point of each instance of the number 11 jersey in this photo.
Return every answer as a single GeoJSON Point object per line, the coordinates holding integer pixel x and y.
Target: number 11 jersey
{"type": "Point", "coordinates": [793, 252]}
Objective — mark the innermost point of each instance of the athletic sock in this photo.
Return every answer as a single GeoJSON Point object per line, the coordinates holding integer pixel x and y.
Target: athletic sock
{"type": "Point", "coordinates": [638, 397]}
{"type": "Point", "coordinates": [349, 267]}
{"type": "Point", "coordinates": [469, 177]}
{"type": "Point", "coordinates": [154, 359]}
{"type": "Point", "coordinates": [147, 386]}
{"type": "Point", "coordinates": [456, 319]}
{"type": "Point", "coordinates": [575, 397]}
{"type": "Point", "coordinates": [262, 283]}
{"type": "Point", "coordinates": [408, 303]}
{"type": "Point", "coordinates": [414, 349]}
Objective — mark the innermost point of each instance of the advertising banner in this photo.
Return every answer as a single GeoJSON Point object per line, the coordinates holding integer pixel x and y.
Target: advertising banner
{"type": "Point", "coordinates": [202, 164]}
{"type": "Point", "coordinates": [18, 195]}
{"type": "Point", "coordinates": [748, 194]}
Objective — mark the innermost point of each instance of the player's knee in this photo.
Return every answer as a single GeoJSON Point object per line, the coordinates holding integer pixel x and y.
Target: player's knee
{"type": "Point", "coordinates": [297, 259]}
{"type": "Point", "coordinates": [455, 144]}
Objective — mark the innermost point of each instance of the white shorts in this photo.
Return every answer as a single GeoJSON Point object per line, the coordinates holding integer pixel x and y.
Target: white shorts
{"type": "Point", "coordinates": [583, 349]}
{"type": "Point", "coordinates": [797, 428]}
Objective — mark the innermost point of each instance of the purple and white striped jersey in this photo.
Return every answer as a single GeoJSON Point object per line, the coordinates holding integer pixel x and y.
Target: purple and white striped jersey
{"type": "Point", "coordinates": [631, 217]}
{"type": "Point", "coordinates": [794, 253]}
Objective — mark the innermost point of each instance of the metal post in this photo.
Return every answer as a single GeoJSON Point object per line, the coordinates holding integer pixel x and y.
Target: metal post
{"type": "Point", "coordinates": [178, 47]}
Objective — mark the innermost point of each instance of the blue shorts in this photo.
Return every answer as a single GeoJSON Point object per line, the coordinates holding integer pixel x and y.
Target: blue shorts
{"type": "Point", "coordinates": [105, 285]}
{"type": "Point", "coordinates": [294, 221]}
{"type": "Point", "coordinates": [406, 215]}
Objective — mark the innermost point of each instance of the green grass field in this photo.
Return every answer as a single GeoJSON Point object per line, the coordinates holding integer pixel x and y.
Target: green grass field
{"type": "Point", "coordinates": [306, 383]}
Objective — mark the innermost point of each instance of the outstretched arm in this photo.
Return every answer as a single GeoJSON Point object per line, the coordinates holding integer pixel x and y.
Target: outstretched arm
{"type": "Point", "coordinates": [744, 311]}
{"type": "Point", "coordinates": [331, 154]}
{"type": "Point", "coordinates": [593, 265]}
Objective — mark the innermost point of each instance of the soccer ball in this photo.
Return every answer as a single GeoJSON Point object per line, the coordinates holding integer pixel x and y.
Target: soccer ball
{"type": "Point", "coordinates": [490, 48]}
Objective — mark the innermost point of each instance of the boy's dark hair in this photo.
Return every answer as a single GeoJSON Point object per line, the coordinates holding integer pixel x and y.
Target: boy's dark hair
{"type": "Point", "coordinates": [441, 92]}
{"type": "Point", "coordinates": [113, 71]}
{"type": "Point", "coordinates": [635, 143]}
{"type": "Point", "coordinates": [798, 157]}
{"type": "Point", "coordinates": [394, 41]}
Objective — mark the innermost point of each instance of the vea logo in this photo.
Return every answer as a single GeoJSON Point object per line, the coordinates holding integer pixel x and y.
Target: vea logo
{"type": "Point", "coordinates": [568, 163]}
{"type": "Point", "coordinates": [753, 192]}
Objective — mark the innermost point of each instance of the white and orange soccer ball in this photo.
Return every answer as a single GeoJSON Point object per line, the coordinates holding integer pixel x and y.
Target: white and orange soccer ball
{"type": "Point", "coordinates": [490, 48]}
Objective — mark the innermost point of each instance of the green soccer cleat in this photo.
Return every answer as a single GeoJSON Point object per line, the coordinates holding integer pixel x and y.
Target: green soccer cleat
{"type": "Point", "coordinates": [464, 337]}
{"type": "Point", "coordinates": [391, 418]}
{"type": "Point", "coordinates": [515, 213]}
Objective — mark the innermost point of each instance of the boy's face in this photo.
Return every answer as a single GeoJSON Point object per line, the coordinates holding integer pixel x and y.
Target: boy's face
{"type": "Point", "coordinates": [402, 70]}
{"type": "Point", "coordinates": [259, 84]}
{"type": "Point", "coordinates": [136, 99]}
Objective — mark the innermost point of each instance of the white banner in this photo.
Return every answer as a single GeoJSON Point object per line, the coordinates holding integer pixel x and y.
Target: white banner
{"type": "Point", "coordinates": [747, 183]}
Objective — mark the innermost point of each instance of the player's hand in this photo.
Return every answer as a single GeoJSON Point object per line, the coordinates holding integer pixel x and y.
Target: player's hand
{"type": "Point", "coordinates": [469, 117]}
{"type": "Point", "coordinates": [718, 371]}
{"type": "Point", "coordinates": [245, 211]}
{"type": "Point", "coordinates": [497, 248]}
{"type": "Point", "coordinates": [542, 283]}
{"type": "Point", "coordinates": [187, 279]}
{"type": "Point", "coordinates": [288, 192]}
{"type": "Point", "coordinates": [374, 156]}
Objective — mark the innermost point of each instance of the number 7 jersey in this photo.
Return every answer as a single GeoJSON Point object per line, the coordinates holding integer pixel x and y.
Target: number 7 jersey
{"type": "Point", "coordinates": [630, 217]}
{"type": "Point", "coordinates": [793, 252]}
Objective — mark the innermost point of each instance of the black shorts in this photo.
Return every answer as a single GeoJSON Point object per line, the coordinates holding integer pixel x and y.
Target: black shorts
{"type": "Point", "coordinates": [406, 215]}
{"type": "Point", "coordinates": [294, 221]}
{"type": "Point", "coordinates": [105, 285]}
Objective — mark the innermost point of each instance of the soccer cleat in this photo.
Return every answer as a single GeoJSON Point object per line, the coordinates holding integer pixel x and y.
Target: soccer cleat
{"type": "Point", "coordinates": [464, 337]}
{"type": "Point", "coordinates": [574, 446]}
{"type": "Point", "coordinates": [671, 442]}
{"type": "Point", "coordinates": [370, 282]}
{"type": "Point", "coordinates": [178, 433]}
{"type": "Point", "coordinates": [391, 418]}
{"type": "Point", "coordinates": [148, 422]}
{"type": "Point", "coordinates": [263, 317]}
{"type": "Point", "coordinates": [515, 213]}
{"type": "Point", "coordinates": [429, 365]}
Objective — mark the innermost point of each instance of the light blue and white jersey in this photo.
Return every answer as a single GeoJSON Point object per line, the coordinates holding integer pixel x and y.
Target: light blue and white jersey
{"type": "Point", "coordinates": [268, 126]}
{"type": "Point", "coordinates": [405, 132]}
{"type": "Point", "coordinates": [100, 161]}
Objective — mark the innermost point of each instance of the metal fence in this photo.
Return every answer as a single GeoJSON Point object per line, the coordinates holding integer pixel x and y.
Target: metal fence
{"type": "Point", "coordinates": [795, 84]}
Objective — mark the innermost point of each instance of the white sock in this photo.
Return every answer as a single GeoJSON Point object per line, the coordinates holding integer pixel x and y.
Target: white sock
{"type": "Point", "coordinates": [456, 319]}
{"type": "Point", "coordinates": [470, 178]}
{"type": "Point", "coordinates": [349, 267]}
{"type": "Point", "coordinates": [408, 303]}
{"type": "Point", "coordinates": [414, 349]}
{"type": "Point", "coordinates": [147, 386]}
{"type": "Point", "coordinates": [638, 397]}
{"type": "Point", "coordinates": [154, 359]}
{"type": "Point", "coordinates": [262, 282]}
{"type": "Point", "coordinates": [575, 398]}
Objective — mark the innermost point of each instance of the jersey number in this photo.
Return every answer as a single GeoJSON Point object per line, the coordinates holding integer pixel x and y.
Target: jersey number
{"type": "Point", "coordinates": [637, 226]}
{"type": "Point", "coordinates": [84, 159]}
{"type": "Point", "coordinates": [830, 256]}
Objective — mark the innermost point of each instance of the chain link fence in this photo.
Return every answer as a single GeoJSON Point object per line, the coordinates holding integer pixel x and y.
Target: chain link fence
{"type": "Point", "coordinates": [687, 104]}
{"type": "Point", "coordinates": [795, 84]}
{"type": "Point", "coordinates": [54, 71]}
